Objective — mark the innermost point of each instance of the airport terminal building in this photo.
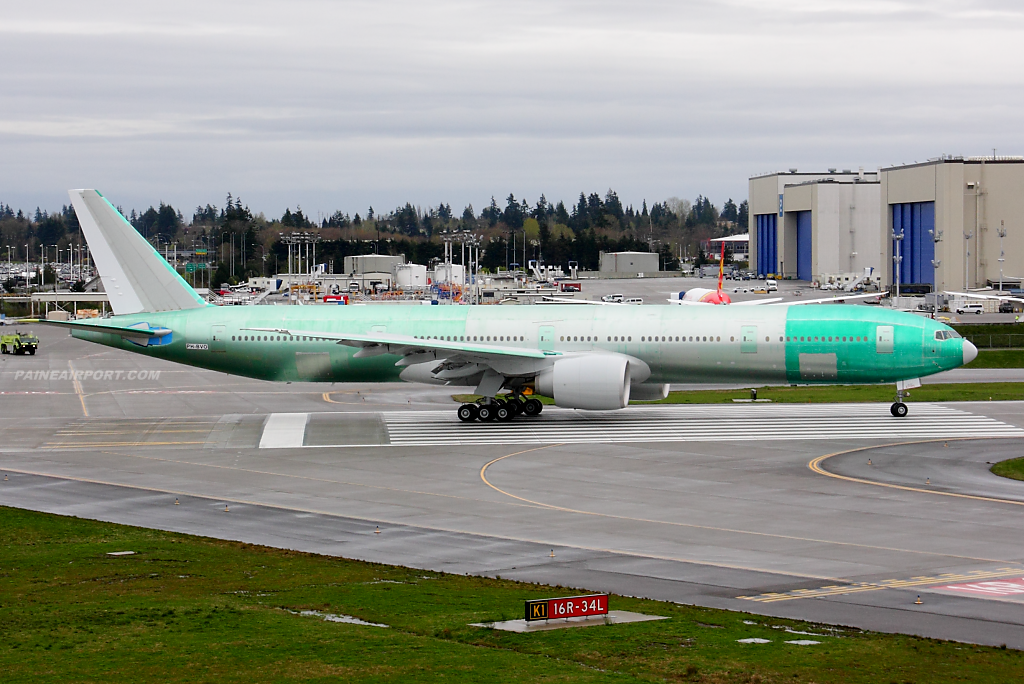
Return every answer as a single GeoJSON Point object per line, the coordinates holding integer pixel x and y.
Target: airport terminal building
{"type": "Point", "coordinates": [948, 223]}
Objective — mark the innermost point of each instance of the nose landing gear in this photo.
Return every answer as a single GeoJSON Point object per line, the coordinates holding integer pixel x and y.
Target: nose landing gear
{"type": "Point", "coordinates": [899, 409]}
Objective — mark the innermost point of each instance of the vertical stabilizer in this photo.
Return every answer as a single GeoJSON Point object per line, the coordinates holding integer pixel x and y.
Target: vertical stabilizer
{"type": "Point", "coordinates": [135, 276]}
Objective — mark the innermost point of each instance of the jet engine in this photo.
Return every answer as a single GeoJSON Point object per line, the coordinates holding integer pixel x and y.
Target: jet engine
{"type": "Point", "coordinates": [597, 382]}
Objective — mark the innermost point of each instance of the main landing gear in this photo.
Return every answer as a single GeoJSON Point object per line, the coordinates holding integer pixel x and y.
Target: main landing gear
{"type": "Point", "coordinates": [899, 409]}
{"type": "Point", "coordinates": [501, 410]}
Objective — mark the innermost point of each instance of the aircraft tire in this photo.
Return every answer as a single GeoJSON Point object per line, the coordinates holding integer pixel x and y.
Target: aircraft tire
{"type": "Point", "coordinates": [516, 405]}
{"type": "Point", "coordinates": [899, 409]}
{"type": "Point", "coordinates": [505, 413]}
{"type": "Point", "coordinates": [486, 413]}
{"type": "Point", "coordinates": [468, 413]}
{"type": "Point", "coordinates": [533, 407]}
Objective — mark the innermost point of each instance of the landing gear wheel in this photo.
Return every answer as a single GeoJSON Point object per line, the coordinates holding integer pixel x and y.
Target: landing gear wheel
{"type": "Point", "coordinates": [533, 407]}
{"type": "Point", "coordinates": [505, 413]}
{"type": "Point", "coordinates": [468, 413]}
{"type": "Point", "coordinates": [899, 409]}
{"type": "Point", "coordinates": [515, 404]}
{"type": "Point", "coordinates": [487, 413]}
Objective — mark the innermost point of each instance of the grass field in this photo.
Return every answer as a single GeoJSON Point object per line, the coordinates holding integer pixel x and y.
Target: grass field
{"type": "Point", "coordinates": [828, 394]}
{"type": "Point", "coordinates": [1013, 469]}
{"type": "Point", "coordinates": [998, 358]}
{"type": "Point", "coordinates": [996, 391]}
{"type": "Point", "coordinates": [194, 609]}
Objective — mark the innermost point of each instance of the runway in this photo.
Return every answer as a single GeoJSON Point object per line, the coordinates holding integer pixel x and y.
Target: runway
{"type": "Point", "coordinates": [714, 505]}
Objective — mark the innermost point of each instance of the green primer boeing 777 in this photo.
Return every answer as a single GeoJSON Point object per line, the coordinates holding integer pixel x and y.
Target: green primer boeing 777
{"type": "Point", "coordinates": [585, 357]}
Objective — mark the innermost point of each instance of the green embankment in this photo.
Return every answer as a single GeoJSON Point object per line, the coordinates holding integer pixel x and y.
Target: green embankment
{"type": "Point", "coordinates": [993, 335]}
{"type": "Point", "coordinates": [194, 609]}
{"type": "Point", "coordinates": [1013, 469]}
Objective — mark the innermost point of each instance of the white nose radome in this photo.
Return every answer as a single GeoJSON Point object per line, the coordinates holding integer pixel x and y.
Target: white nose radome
{"type": "Point", "coordinates": [970, 352]}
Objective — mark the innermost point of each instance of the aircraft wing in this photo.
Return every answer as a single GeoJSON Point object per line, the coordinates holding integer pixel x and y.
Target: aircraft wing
{"type": "Point", "coordinates": [757, 302]}
{"type": "Point", "coordinates": [978, 295]}
{"type": "Point", "coordinates": [839, 299]}
{"type": "Point", "coordinates": [462, 359]}
{"type": "Point", "coordinates": [558, 300]}
{"type": "Point", "coordinates": [140, 331]}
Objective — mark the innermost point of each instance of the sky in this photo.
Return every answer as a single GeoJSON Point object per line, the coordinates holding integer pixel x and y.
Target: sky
{"type": "Point", "coordinates": [346, 105]}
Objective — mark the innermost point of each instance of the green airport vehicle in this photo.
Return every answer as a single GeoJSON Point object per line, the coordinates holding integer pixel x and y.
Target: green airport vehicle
{"type": "Point", "coordinates": [18, 343]}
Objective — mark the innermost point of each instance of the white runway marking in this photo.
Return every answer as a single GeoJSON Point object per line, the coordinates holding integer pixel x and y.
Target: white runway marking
{"type": "Point", "coordinates": [284, 430]}
{"type": "Point", "coordinates": [705, 423]}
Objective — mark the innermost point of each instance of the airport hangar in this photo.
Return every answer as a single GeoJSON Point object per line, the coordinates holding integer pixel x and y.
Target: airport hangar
{"type": "Point", "coordinates": [948, 212]}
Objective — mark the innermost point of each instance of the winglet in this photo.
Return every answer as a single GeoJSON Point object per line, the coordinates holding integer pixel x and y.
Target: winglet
{"type": "Point", "coordinates": [135, 276]}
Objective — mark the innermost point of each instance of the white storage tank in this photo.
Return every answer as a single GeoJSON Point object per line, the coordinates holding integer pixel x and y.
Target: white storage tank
{"type": "Point", "coordinates": [454, 274]}
{"type": "Point", "coordinates": [410, 276]}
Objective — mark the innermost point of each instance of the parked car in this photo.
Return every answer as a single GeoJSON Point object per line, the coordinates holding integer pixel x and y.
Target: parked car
{"type": "Point", "coordinates": [971, 307]}
{"type": "Point", "coordinates": [634, 300]}
{"type": "Point", "coordinates": [615, 298]}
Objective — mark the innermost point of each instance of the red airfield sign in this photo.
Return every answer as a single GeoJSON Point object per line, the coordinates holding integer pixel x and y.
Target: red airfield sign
{"type": "Point", "coordinates": [566, 607]}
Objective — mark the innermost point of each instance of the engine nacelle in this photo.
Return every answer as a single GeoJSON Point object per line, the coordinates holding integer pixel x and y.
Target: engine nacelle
{"type": "Point", "coordinates": [597, 382]}
{"type": "Point", "coordinates": [648, 392]}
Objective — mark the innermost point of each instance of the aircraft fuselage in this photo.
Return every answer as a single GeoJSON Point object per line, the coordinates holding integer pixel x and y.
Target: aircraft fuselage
{"type": "Point", "coordinates": [831, 343]}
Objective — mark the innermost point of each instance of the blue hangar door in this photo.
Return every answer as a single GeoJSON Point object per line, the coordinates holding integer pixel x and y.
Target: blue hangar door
{"type": "Point", "coordinates": [803, 245]}
{"type": "Point", "coordinates": [915, 221]}
{"type": "Point", "coordinates": [767, 244]}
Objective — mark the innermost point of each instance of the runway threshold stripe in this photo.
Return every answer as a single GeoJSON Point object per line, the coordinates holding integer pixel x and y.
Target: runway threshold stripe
{"type": "Point", "coordinates": [284, 430]}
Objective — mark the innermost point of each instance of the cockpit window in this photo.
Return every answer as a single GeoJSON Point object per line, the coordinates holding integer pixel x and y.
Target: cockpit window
{"type": "Point", "coordinates": [946, 334]}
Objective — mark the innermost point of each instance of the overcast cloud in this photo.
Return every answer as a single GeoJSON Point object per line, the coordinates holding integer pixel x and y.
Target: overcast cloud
{"type": "Point", "coordinates": [341, 105]}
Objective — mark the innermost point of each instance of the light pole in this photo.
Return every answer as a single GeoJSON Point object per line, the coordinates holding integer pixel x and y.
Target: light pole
{"type": "Point", "coordinates": [967, 258]}
{"type": "Point", "coordinates": [897, 258]}
{"type": "Point", "coordinates": [1002, 255]}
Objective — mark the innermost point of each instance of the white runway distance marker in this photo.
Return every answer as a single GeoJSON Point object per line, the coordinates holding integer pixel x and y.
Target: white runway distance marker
{"type": "Point", "coordinates": [284, 430]}
{"type": "Point", "coordinates": [703, 423]}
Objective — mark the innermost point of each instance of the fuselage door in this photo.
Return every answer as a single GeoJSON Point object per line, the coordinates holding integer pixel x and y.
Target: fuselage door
{"type": "Point", "coordinates": [748, 339]}
{"type": "Point", "coordinates": [217, 338]}
{"type": "Point", "coordinates": [546, 338]}
{"type": "Point", "coordinates": [883, 339]}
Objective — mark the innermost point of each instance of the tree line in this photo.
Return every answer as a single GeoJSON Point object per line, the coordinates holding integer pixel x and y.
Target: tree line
{"type": "Point", "coordinates": [242, 243]}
